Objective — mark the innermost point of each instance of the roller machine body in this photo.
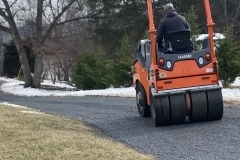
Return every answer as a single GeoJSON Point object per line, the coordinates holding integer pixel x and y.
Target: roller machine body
{"type": "Point", "coordinates": [181, 84]}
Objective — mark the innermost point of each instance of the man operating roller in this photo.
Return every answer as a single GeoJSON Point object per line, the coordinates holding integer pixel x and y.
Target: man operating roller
{"type": "Point", "coordinates": [172, 21]}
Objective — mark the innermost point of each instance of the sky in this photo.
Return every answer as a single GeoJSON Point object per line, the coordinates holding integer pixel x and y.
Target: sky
{"type": "Point", "coordinates": [15, 87]}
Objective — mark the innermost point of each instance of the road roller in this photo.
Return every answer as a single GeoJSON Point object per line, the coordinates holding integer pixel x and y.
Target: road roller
{"type": "Point", "coordinates": [180, 85]}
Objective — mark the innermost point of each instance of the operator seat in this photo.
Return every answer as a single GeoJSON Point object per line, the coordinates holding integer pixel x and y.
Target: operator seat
{"type": "Point", "coordinates": [180, 42]}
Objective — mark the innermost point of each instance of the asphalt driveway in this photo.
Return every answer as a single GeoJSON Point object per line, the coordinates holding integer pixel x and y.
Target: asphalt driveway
{"type": "Point", "coordinates": [118, 118]}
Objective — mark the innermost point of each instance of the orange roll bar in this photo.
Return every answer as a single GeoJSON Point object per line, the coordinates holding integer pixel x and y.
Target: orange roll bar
{"type": "Point", "coordinates": [210, 25]}
{"type": "Point", "coordinates": [152, 32]}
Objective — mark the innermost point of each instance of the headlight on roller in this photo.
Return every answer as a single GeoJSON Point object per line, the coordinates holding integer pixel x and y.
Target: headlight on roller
{"type": "Point", "coordinates": [169, 64]}
{"type": "Point", "coordinates": [200, 60]}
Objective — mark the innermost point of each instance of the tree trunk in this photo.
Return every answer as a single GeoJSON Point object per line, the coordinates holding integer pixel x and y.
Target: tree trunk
{"type": "Point", "coordinates": [225, 84]}
{"type": "Point", "coordinates": [40, 39]}
{"type": "Point", "coordinates": [37, 70]}
{"type": "Point", "coordinates": [66, 75]}
{"type": "Point", "coordinates": [22, 56]}
{"type": "Point", "coordinates": [38, 52]}
{"type": "Point", "coordinates": [225, 12]}
{"type": "Point", "coordinates": [59, 74]}
{"type": "Point", "coordinates": [19, 45]}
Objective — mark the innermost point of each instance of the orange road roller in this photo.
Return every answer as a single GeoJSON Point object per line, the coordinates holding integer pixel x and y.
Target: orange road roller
{"type": "Point", "coordinates": [180, 85]}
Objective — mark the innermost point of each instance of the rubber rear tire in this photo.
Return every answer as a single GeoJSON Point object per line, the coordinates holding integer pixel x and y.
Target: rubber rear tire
{"type": "Point", "coordinates": [199, 107]}
{"type": "Point", "coordinates": [160, 110]}
{"type": "Point", "coordinates": [154, 112]}
{"type": "Point", "coordinates": [215, 105]}
{"type": "Point", "coordinates": [141, 100]}
{"type": "Point", "coordinates": [178, 109]}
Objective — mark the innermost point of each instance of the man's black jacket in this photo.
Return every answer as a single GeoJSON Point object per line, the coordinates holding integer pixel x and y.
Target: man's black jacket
{"type": "Point", "coordinates": [172, 21]}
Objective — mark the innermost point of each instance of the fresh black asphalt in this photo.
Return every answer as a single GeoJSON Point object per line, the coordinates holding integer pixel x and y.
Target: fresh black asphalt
{"type": "Point", "coordinates": [118, 118]}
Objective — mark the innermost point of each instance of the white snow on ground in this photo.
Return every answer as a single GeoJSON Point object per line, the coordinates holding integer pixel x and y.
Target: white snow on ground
{"type": "Point", "coordinates": [22, 107]}
{"type": "Point", "coordinates": [62, 84]}
{"type": "Point", "coordinates": [231, 95]}
{"type": "Point", "coordinates": [15, 87]}
{"type": "Point", "coordinates": [32, 112]}
{"type": "Point", "coordinates": [236, 82]}
{"type": "Point", "coordinates": [13, 105]}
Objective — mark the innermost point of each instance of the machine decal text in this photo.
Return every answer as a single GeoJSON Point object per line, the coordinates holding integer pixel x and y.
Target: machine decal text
{"type": "Point", "coordinates": [185, 56]}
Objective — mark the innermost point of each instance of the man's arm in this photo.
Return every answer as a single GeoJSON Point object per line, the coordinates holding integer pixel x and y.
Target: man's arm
{"type": "Point", "coordinates": [187, 25]}
{"type": "Point", "coordinates": [160, 31]}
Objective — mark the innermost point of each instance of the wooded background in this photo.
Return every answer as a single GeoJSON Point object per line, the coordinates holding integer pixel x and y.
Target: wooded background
{"type": "Point", "coordinates": [91, 42]}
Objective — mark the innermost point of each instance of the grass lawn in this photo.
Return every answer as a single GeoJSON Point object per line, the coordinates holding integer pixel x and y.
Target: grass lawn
{"type": "Point", "coordinates": [26, 135]}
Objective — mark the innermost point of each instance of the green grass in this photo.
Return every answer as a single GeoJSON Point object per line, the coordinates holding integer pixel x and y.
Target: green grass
{"type": "Point", "coordinates": [28, 136]}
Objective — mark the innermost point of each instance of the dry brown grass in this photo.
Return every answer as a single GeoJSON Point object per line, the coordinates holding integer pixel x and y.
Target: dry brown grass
{"type": "Point", "coordinates": [28, 136]}
{"type": "Point", "coordinates": [234, 87]}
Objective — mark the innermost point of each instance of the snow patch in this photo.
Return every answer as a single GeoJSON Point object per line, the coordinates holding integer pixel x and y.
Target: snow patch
{"type": "Point", "coordinates": [217, 36]}
{"type": "Point", "coordinates": [13, 105]}
{"type": "Point", "coordinates": [236, 83]}
{"type": "Point", "coordinates": [32, 112]}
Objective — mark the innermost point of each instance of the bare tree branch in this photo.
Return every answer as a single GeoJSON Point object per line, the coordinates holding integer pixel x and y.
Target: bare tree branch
{"type": "Point", "coordinates": [12, 3]}
{"type": "Point", "coordinates": [55, 20]}
{"type": "Point", "coordinates": [5, 29]}
{"type": "Point", "coordinates": [237, 11]}
{"type": "Point", "coordinates": [7, 7]}
{"type": "Point", "coordinates": [51, 7]}
{"type": "Point", "coordinates": [2, 13]}
{"type": "Point", "coordinates": [39, 21]}
{"type": "Point", "coordinates": [87, 17]}
{"type": "Point", "coordinates": [15, 14]}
